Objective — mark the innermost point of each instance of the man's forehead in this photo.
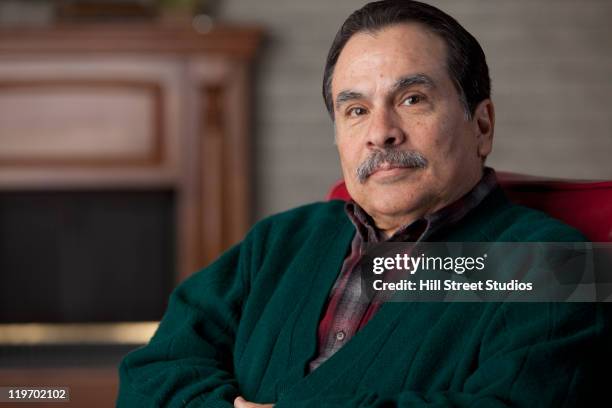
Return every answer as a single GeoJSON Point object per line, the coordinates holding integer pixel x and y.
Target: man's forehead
{"type": "Point", "coordinates": [384, 57]}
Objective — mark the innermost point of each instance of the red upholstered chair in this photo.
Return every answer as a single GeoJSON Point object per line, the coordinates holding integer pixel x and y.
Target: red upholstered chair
{"type": "Point", "coordinates": [585, 205]}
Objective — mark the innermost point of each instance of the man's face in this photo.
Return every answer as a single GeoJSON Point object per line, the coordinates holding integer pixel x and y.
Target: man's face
{"type": "Point", "coordinates": [392, 91]}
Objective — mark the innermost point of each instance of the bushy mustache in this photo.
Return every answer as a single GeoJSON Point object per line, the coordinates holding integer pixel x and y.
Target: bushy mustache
{"type": "Point", "coordinates": [394, 157]}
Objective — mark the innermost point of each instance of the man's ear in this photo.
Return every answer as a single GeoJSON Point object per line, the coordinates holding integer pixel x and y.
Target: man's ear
{"type": "Point", "coordinates": [484, 125]}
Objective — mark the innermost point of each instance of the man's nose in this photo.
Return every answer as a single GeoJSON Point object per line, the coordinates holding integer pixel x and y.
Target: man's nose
{"type": "Point", "coordinates": [385, 130]}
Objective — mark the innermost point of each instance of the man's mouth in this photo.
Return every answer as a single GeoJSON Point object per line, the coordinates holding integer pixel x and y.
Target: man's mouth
{"type": "Point", "coordinates": [388, 166]}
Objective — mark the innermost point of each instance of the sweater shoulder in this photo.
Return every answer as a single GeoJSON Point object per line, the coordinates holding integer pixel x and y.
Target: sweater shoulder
{"type": "Point", "coordinates": [497, 219]}
{"type": "Point", "coordinates": [517, 223]}
{"type": "Point", "coordinates": [304, 218]}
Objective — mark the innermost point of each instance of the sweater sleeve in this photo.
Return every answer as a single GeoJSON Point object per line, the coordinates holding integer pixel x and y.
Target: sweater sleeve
{"type": "Point", "coordinates": [188, 360]}
{"type": "Point", "coordinates": [549, 359]}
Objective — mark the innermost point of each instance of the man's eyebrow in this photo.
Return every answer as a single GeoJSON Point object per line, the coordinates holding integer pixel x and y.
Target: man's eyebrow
{"type": "Point", "coordinates": [346, 96]}
{"type": "Point", "coordinates": [411, 80]}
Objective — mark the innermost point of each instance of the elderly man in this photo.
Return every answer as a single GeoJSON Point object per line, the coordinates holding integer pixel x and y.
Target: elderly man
{"type": "Point", "coordinates": [278, 319]}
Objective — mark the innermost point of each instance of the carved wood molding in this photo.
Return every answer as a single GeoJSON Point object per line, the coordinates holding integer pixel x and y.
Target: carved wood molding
{"type": "Point", "coordinates": [155, 146]}
{"type": "Point", "coordinates": [215, 173]}
{"type": "Point", "coordinates": [236, 42]}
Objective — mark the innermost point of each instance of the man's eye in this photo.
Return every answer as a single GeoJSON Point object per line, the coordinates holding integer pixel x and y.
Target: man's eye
{"type": "Point", "coordinates": [356, 111]}
{"type": "Point", "coordinates": [412, 100]}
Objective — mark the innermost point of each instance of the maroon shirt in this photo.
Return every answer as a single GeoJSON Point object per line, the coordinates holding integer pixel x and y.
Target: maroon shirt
{"type": "Point", "coordinates": [347, 310]}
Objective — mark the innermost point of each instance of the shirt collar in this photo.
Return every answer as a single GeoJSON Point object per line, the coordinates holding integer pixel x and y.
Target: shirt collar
{"type": "Point", "coordinates": [426, 226]}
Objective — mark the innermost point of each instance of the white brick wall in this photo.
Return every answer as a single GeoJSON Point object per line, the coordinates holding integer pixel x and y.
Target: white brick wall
{"type": "Point", "coordinates": [551, 65]}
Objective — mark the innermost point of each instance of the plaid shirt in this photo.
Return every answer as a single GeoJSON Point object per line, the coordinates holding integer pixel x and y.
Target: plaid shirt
{"type": "Point", "coordinates": [346, 312]}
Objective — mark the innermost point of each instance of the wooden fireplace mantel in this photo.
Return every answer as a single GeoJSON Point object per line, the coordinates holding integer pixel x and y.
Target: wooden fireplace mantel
{"type": "Point", "coordinates": [136, 107]}
{"type": "Point", "coordinates": [140, 107]}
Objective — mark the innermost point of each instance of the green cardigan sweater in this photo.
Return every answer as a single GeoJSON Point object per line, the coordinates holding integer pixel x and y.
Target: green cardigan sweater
{"type": "Point", "coordinates": [247, 325]}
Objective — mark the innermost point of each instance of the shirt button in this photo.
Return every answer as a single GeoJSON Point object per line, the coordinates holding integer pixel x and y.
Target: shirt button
{"type": "Point", "coordinates": [340, 335]}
